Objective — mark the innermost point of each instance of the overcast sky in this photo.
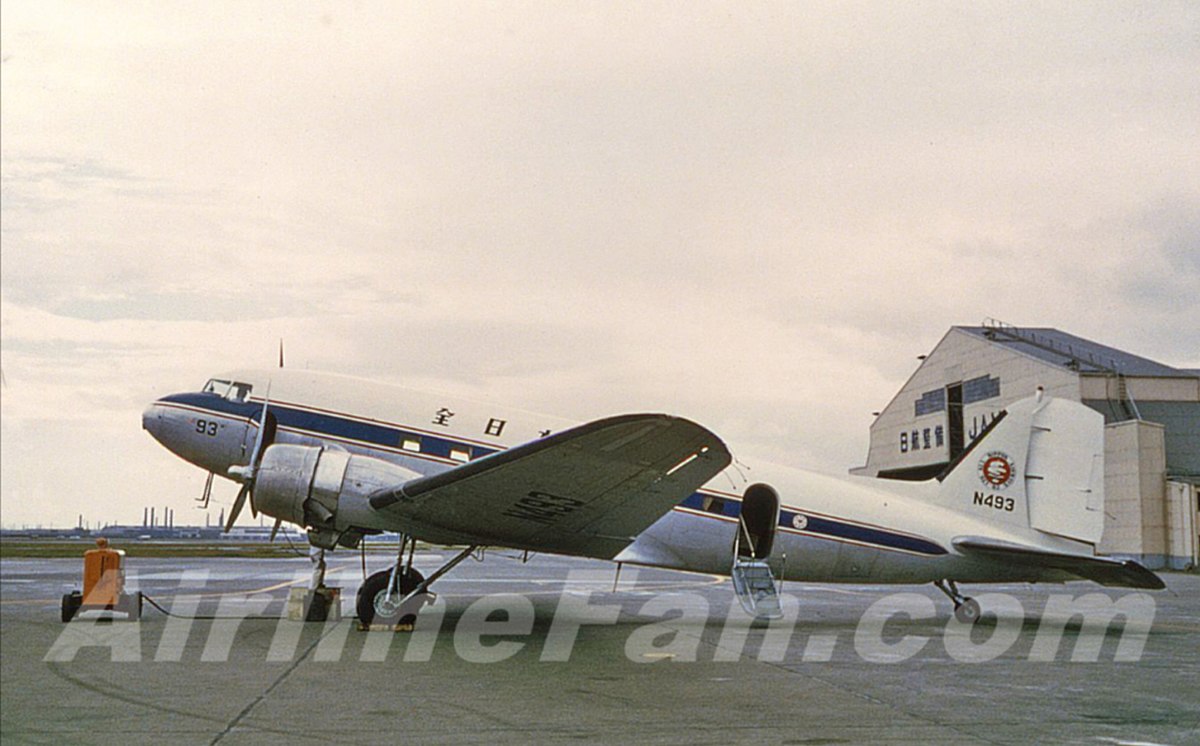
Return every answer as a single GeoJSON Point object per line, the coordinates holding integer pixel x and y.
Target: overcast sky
{"type": "Point", "coordinates": [753, 215]}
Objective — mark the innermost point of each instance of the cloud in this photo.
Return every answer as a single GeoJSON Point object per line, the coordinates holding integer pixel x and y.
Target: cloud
{"type": "Point", "coordinates": [756, 217]}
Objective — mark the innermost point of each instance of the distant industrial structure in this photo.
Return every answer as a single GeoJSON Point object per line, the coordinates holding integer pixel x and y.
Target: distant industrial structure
{"type": "Point", "coordinates": [157, 526]}
{"type": "Point", "coordinates": [238, 534]}
{"type": "Point", "coordinates": [1151, 411]}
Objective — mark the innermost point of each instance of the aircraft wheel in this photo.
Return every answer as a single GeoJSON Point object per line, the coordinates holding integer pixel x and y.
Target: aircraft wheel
{"type": "Point", "coordinates": [376, 606]}
{"type": "Point", "coordinates": [968, 611]}
{"type": "Point", "coordinates": [70, 605]}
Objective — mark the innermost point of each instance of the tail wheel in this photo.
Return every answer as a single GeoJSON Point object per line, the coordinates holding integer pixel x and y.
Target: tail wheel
{"type": "Point", "coordinates": [377, 604]}
{"type": "Point", "coordinates": [968, 611]}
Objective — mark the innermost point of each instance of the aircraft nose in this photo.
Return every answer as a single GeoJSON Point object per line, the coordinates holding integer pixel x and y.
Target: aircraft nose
{"type": "Point", "coordinates": [151, 417]}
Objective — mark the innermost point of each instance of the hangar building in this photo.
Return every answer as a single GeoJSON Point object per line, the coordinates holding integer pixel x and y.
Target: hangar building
{"type": "Point", "coordinates": [1151, 411]}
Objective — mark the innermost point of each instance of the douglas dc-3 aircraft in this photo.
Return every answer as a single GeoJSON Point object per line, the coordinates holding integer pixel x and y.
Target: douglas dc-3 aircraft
{"type": "Point", "coordinates": [345, 457]}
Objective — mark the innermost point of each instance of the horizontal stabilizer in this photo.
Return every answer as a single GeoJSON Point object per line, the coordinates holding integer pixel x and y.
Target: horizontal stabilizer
{"type": "Point", "coordinates": [1103, 570]}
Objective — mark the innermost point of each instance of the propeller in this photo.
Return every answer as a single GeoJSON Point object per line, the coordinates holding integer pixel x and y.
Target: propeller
{"type": "Point", "coordinates": [245, 474]}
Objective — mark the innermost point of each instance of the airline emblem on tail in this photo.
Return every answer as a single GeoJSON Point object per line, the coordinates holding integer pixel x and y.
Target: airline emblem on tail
{"type": "Point", "coordinates": [996, 470]}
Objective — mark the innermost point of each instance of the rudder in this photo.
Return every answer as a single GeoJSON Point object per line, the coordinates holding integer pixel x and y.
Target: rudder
{"type": "Point", "coordinates": [1039, 466]}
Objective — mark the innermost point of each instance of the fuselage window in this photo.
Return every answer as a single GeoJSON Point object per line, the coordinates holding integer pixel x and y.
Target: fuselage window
{"type": "Point", "coordinates": [411, 444]}
{"type": "Point", "coordinates": [460, 454]}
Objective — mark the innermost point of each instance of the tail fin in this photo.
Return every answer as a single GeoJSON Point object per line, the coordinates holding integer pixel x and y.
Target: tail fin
{"type": "Point", "coordinates": [1040, 465]}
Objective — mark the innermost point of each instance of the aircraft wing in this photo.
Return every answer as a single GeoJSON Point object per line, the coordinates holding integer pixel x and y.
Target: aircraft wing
{"type": "Point", "coordinates": [586, 491]}
{"type": "Point", "coordinates": [1103, 570]}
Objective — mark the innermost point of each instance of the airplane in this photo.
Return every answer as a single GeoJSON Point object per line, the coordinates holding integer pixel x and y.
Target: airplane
{"type": "Point", "coordinates": [345, 458]}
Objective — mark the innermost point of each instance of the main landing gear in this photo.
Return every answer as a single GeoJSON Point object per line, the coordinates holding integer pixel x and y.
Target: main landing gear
{"type": "Point", "coordinates": [387, 597]}
{"type": "Point", "coordinates": [394, 596]}
{"type": "Point", "coordinates": [966, 610]}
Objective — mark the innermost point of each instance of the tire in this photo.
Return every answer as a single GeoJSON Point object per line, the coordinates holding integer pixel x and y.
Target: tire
{"type": "Point", "coordinates": [372, 606]}
{"type": "Point", "coordinates": [968, 611]}
{"type": "Point", "coordinates": [70, 605]}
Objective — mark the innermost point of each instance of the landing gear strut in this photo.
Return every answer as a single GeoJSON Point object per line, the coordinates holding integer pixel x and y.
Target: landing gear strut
{"type": "Point", "coordinates": [394, 596]}
{"type": "Point", "coordinates": [316, 555]}
{"type": "Point", "coordinates": [966, 610]}
{"type": "Point", "coordinates": [387, 597]}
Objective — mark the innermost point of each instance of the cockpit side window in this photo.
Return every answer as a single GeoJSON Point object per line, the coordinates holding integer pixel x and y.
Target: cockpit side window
{"type": "Point", "coordinates": [232, 390]}
{"type": "Point", "coordinates": [216, 386]}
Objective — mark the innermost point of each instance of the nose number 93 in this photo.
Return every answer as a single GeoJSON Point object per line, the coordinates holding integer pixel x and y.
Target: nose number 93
{"type": "Point", "coordinates": [207, 427]}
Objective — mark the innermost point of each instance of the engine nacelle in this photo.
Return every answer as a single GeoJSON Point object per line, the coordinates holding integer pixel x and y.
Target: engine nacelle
{"type": "Point", "coordinates": [326, 488]}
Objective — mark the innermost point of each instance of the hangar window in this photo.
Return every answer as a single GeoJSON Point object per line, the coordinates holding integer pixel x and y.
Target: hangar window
{"type": "Point", "coordinates": [954, 419]}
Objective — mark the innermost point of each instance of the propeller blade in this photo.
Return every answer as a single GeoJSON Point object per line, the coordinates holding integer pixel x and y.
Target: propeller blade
{"type": "Point", "coordinates": [247, 473]}
{"type": "Point", "coordinates": [238, 503]}
{"type": "Point", "coordinates": [252, 467]}
{"type": "Point", "coordinates": [275, 529]}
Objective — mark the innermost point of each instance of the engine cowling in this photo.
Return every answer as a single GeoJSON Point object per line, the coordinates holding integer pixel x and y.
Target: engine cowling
{"type": "Point", "coordinates": [320, 487]}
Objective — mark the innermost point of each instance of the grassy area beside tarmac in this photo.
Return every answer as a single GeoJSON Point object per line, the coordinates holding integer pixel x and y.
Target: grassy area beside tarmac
{"type": "Point", "coordinates": [12, 548]}
{"type": "Point", "coordinates": [23, 548]}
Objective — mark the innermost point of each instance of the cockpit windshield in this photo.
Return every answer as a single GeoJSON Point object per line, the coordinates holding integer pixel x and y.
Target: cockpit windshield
{"type": "Point", "coordinates": [231, 390]}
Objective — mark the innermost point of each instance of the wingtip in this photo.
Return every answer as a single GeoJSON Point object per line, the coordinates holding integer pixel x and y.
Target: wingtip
{"type": "Point", "coordinates": [1142, 577]}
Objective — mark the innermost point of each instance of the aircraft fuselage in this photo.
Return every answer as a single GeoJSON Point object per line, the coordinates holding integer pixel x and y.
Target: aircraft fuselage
{"type": "Point", "coordinates": [827, 529]}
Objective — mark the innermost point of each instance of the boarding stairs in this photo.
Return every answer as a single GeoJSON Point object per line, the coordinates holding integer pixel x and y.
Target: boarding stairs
{"type": "Point", "coordinates": [753, 581]}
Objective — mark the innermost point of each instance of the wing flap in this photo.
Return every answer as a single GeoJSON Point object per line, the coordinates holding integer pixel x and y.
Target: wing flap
{"type": "Point", "coordinates": [587, 491]}
{"type": "Point", "coordinates": [1103, 570]}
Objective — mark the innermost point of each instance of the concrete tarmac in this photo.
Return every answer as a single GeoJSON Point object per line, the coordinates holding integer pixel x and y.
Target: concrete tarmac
{"type": "Point", "coordinates": [546, 652]}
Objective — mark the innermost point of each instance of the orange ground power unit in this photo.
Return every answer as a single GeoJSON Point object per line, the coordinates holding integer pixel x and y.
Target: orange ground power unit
{"type": "Point", "coordinates": [103, 585]}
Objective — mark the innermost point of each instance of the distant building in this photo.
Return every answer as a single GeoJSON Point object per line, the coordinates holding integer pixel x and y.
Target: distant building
{"type": "Point", "coordinates": [1152, 438]}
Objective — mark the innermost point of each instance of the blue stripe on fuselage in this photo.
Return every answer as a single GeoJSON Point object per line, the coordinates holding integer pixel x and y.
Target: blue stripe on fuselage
{"type": "Point", "coordinates": [865, 534]}
{"type": "Point", "coordinates": [335, 426]}
{"type": "Point", "coordinates": [822, 526]}
{"type": "Point", "coordinates": [391, 437]}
